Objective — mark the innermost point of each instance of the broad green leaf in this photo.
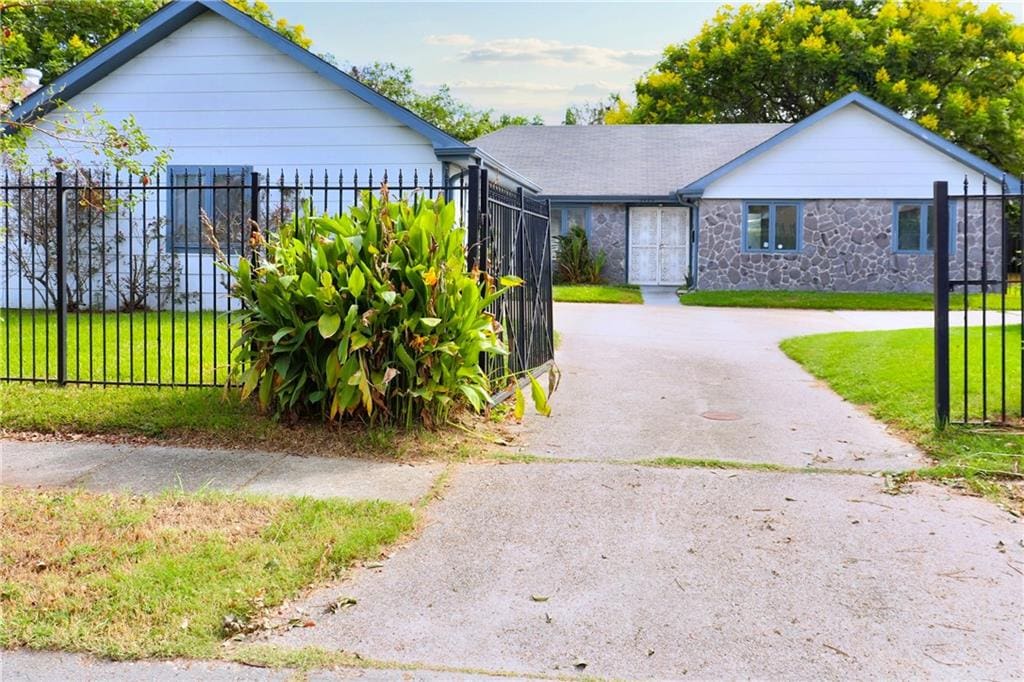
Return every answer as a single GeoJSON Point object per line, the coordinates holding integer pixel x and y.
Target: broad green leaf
{"type": "Point", "coordinates": [281, 333]}
{"type": "Point", "coordinates": [266, 385]}
{"type": "Point", "coordinates": [328, 324]}
{"type": "Point", "coordinates": [430, 321]}
{"type": "Point", "coordinates": [540, 401]}
{"type": "Point", "coordinates": [356, 282]}
{"type": "Point", "coordinates": [307, 284]}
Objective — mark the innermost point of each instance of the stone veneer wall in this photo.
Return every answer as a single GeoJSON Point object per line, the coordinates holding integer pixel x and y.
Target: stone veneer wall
{"type": "Point", "coordinates": [608, 233]}
{"type": "Point", "coordinates": [847, 246]}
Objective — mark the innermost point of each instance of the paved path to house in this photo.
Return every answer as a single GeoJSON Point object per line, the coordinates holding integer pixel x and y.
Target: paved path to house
{"type": "Point", "coordinates": [147, 469]}
{"type": "Point", "coordinates": [657, 381]}
{"type": "Point", "coordinates": [642, 572]}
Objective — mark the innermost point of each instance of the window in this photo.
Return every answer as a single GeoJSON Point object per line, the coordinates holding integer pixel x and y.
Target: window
{"type": "Point", "coordinates": [564, 218]}
{"type": "Point", "coordinates": [772, 227]}
{"type": "Point", "coordinates": [913, 229]}
{"type": "Point", "coordinates": [219, 193]}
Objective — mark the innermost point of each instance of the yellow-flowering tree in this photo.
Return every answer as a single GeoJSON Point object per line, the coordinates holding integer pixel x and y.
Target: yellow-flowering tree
{"type": "Point", "coordinates": [951, 66]}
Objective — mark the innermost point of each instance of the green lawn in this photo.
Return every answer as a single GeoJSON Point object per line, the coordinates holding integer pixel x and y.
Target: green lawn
{"type": "Point", "coordinates": [169, 347]}
{"type": "Point", "coordinates": [891, 374]}
{"type": "Point", "coordinates": [128, 576]}
{"type": "Point", "coordinates": [211, 417]}
{"type": "Point", "coordinates": [597, 293]}
{"type": "Point", "coordinates": [836, 300]}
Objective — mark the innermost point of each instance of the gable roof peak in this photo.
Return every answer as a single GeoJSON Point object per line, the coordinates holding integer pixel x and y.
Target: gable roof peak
{"type": "Point", "coordinates": [922, 134]}
{"type": "Point", "coordinates": [176, 14]}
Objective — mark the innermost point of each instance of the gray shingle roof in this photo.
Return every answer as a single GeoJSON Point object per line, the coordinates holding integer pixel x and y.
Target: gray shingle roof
{"type": "Point", "coordinates": [621, 160]}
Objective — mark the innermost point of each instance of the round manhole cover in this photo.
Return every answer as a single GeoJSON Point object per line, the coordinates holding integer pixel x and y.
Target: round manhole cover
{"type": "Point", "coordinates": [721, 416]}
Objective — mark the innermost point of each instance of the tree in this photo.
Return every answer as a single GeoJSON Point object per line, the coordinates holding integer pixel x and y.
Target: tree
{"type": "Point", "coordinates": [440, 107]}
{"type": "Point", "coordinates": [953, 68]}
{"type": "Point", "coordinates": [591, 113]}
{"type": "Point", "coordinates": [102, 268]}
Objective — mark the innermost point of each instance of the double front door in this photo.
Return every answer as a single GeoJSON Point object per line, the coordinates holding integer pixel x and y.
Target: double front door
{"type": "Point", "coordinates": [659, 245]}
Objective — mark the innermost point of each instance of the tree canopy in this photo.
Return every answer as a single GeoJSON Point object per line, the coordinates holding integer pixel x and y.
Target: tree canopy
{"type": "Point", "coordinates": [440, 107]}
{"type": "Point", "coordinates": [952, 67]}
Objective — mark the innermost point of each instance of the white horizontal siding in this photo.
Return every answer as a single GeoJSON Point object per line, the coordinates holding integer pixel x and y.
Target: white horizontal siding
{"type": "Point", "coordinates": [214, 94]}
{"type": "Point", "coordinates": [850, 154]}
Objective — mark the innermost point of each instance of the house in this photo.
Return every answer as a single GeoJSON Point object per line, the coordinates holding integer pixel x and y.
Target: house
{"type": "Point", "coordinates": [227, 96]}
{"type": "Point", "coordinates": [838, 201]}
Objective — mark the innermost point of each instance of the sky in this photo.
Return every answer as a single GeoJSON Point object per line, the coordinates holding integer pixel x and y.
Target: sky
{"type": "Point", "coordinates": [517, 57]}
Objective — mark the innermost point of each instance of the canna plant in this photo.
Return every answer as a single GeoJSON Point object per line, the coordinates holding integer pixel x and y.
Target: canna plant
{"type": "Point", "coordinates": [371, 314]}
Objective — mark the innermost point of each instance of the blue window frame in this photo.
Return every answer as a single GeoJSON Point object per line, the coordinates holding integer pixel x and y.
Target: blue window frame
{"type": "Point", "coordinates": [773, 226]}
{"type": "Point", "coordinates": [566, 216]}
{"type": "Point", "coordinates": [218, 192]}
{"type": "Point", "coordinates": [913, 226]}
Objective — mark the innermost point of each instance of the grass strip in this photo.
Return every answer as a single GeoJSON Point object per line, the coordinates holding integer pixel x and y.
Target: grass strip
{"type": "Point", "coordinates": [597, 293]}
{"type": "Point", "coordinates": [839, 300]}
{"type": "Point", "coordinates": [126, 576]}
{"type": "Point", "coordinates": [891, 374]}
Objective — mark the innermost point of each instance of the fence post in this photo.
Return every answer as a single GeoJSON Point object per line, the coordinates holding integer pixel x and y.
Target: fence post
{"type": "Point", "coordinates": [62, 296]}
{"type": "Point", "coordinates": [485, 223]}
{"type": "Point", "coordinates": [547, 280]}
{"type": "Point", "coordinates": [520, 269]}
{"type": "Point", "coordinates": [940, 202]}
{"type": "Point", "coordinates": [473, 219]}
{"type": "Point", "coordinates": [254, 214]}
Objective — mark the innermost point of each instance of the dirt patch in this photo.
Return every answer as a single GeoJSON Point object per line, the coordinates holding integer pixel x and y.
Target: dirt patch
{"type": "Point", "coordinates": [464, 440]}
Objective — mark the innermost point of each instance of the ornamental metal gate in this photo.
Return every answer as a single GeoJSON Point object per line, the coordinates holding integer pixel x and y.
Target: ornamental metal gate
{"type": "Point", "coordinates": [510, 234]}
{"type": "Point", "coordinates": [127, 291]}
{"type": "Point", "coordinates": [978, 305]}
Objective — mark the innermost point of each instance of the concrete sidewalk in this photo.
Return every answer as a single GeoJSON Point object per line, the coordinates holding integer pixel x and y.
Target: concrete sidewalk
{"type": "Point", "coordinates": [150, 469]}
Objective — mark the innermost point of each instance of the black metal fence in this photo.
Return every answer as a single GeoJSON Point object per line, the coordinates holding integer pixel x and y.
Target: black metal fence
{"type": "Point", "coordinates": [978, 269]}
{"type": "Point", "coordinates": [127, 292]}
{"type": "Point", "coordinates": [511, 236]}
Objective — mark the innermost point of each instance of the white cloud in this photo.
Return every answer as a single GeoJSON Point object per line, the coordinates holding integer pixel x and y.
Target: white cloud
{"type": "Point", "coordinates": [556, 53]}
{"type": "Point", "coordinates": [508, 86]}
{"type": "Point", "coordinates": [446, 39]}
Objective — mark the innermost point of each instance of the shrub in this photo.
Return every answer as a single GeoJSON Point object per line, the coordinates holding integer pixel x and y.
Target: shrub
{"type": "Point", "coordinates": [574, 262]}
{"type": "Point", "coordinates": [371, 314]}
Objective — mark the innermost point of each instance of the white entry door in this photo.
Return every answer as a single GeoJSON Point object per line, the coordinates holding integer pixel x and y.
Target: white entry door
{"type": "Point", "coordinates": [659, 245]}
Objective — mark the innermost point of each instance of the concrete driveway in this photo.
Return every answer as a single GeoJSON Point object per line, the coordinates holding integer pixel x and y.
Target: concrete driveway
{"type": "Point", "coordinates": [610, 569]}
{"type": "Point", "coordinates": [654, 381]}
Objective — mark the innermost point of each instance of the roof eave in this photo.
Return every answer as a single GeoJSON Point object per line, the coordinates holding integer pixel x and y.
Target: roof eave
{"type": "Point", "coordinates": [476, 155]}
{"type": "Point", "coordinates": [669, 198]}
